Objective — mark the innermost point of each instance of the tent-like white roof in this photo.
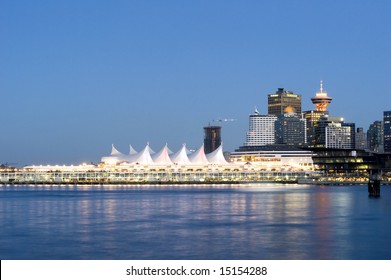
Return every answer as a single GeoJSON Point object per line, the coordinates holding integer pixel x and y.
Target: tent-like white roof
{"type": "Point", "coordinates": [180, 157]}
{"type": "Point", "coordinates": [162, 157]}
{"type": "Point", "coordinates": [165, 156]}
{"type": "Point", "coordinates": [150, 150]}
{"type": "Point", "coordinates": [142, 157]}
{"type": "Point", "coordinates": [114, 157]}
{"type": "Point", "coordinates": [198, 157]}
{"type": "Point", "coordinates": [217, 157]}
{"type": "Point", "coordinates": [132, 151]}
{"type": "Point", "coordinates": [115, 152]}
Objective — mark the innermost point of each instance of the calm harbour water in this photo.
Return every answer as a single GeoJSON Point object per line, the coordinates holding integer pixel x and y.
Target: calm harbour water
{"type": "Point", "coordinates": [200, 222]}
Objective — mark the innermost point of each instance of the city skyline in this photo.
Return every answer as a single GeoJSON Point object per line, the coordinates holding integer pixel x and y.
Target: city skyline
{"type": "Point", "coordinates": [78, 77]}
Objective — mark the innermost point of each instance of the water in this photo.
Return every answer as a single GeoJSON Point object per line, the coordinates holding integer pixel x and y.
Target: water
{"type": "Point", "coordinates": [201, 222]}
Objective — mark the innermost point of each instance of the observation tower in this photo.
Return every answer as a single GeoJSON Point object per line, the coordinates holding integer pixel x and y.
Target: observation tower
{"type": "Point", "coordinates": [321, 100]}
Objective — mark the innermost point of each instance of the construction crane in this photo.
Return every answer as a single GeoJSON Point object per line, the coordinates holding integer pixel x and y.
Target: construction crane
{"type": "Point", "coordinates": [222, 120]}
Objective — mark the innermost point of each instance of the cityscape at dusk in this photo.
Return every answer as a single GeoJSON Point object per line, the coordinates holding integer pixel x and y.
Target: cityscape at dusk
{"type": "Point", "coordinates": [204, 139]}
{"type": "Point", "coordinates": [77, 77]}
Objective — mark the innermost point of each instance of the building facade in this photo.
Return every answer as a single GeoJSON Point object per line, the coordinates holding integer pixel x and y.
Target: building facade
{"type": "Point", "coordinates": [274, 157]}
{"type": "Point", "coordinates": [261, 130]}
{"type": "Point", "coordinates": [212, 138]}
{"type": "Point", "coordinates": [283, 102]}
{"type": "Point", "coordinates": [290, 130]}
{"type": "Point", "coordinates": [352, 133]}
{"type": "Point", "coordinates": [375, 137]}
{"type": "Point", "coordinates": [387, 131]}
{"type": "Point", "coordinates": [361, 139]}
{"type": "Point", "coordinates": [338, 136]}
{"type": "Point", "coordinates": [312, 118]}
{"type": "Point", "coordinates": [331, 133]}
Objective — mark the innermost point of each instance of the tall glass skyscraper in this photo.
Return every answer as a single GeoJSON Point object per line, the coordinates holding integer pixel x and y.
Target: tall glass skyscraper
{"type": "Point", "coordinates": [375, 137]}
{"type": "Point", "coordinates": [387, 131]}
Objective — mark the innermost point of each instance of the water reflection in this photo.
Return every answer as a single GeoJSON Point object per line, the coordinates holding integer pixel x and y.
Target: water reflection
{"type": "Point", "coordinates": [230, 222]}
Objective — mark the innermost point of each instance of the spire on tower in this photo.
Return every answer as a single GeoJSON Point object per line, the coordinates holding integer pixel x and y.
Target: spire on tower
{"type": "Point", "coordinates": [321, 100]}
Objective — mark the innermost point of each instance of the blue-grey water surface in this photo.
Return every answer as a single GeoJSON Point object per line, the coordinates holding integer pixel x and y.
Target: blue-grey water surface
{"type": "Point", "coordinates": [194, 222]}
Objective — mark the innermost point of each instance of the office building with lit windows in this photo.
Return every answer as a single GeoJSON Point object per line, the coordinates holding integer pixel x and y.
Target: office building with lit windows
{"type": "Point", "coordinates": [261, 130]}
{"type": "Point", "coordinates": [283, 102]}
{"type": "Point", "coordinates": [333, 134]}
{"type": "Point", "coordinates": [375, 137]}
{"type": "Point", "coordinates": [290, 130]}
{"type": "Point", "coordinates": [387, 131]}
{"type": "Point", "coordinates": [361, 139]}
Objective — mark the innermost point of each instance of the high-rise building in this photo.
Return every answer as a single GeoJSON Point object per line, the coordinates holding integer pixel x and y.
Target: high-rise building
{"type": "Point", "coordinates": [352, 133]}
{"type": "Point", "coordinates": [283, 102]}
{"type": "Point", "coordinates": [375, 137]}
{"type": "Point", "coordinates": [387, 131]}
{"type": "Point", "coordinates": [321, 100]}
{"type": "Point", "coordinates": [290, 130]}
{"type": "Point", "coordinates": [261, 130]}
{"type": "Point", "coordinates": [212, 138]}
{"type": "Point", "coordinates": [312, 118]}
{"type": "Point", "coordinates": [361, 139]}
{"type": "Point", "coordinates": [331, 133]}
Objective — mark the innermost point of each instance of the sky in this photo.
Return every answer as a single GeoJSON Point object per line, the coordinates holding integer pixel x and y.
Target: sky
{"type": "Point", "coordinates": [78, 76]}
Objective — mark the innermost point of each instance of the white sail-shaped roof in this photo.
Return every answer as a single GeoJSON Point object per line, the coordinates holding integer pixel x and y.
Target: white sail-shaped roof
{"type": "Point", "coordinates": [132, 151]}
{"type": "Point", "coordinates": [143, 157]}
{"type": "Point", "coordinates": [162, 157]}
{"type": "Point", "coordinates": [150, 150]}
{"type": "Point", "coordinates": [180, 157]}
{"type": "Point", "coordinates": [114, 157]}
{"type": "Point", "coordinates": [217, 157]}
{"type": "Point", "coordinates": [198, 157]}
{"type": "Point", "coordinates": [115, 152]}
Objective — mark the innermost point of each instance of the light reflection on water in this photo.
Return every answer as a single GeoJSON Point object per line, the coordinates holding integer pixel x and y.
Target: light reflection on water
{"type": "Point", "coordinates": [201, 222]}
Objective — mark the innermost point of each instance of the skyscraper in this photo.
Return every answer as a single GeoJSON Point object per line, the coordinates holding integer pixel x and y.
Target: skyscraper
{"type": "Point", "coordinates": [283, 102]}
{"type": "Point", "coordinates": [387, 131]}
{"type": "Point", "coordinates": [361, 139]}
{"type": "Point", "coordinates": [212, 138]}
{"type": "Point", "coordinates": [261, 130]}
{"type": "Point", "coordinates": [331, 133]}
{"type": "Point", "coordinates": [312, 118]}
{"type": "Point", "coordinates": [290, 130]}
{"type": "Point", "coordinates": [352, 133]}
{"type": "Point", "coordinates": [375, 137]}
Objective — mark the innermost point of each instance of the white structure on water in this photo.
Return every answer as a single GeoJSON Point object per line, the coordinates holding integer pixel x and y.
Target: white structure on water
{"type": "Point", "coordinates": [163, 166]}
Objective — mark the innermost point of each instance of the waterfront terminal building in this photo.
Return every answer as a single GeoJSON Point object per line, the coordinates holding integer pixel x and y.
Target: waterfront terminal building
{"type": "Point", "coordinates": [275, 157]}
{"type": "Point", "coordinates": [166, 167]}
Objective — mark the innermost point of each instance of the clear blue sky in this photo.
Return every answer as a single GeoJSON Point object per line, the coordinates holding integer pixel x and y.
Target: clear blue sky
{"type": "Point", "coordinates": [77, 76]}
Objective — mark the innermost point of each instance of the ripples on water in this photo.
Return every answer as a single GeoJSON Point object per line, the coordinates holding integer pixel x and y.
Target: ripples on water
{"type": "Point", "coordinates": [202, 222]}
